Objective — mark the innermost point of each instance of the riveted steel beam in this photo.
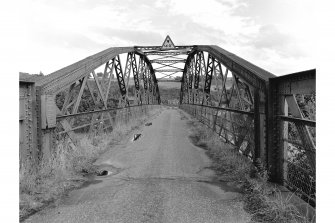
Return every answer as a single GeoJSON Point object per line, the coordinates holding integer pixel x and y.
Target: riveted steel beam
{"type": "Point", "coordinates": [191, 73]}
{"type": "Point", "coordinates": [160, 47]}
{"type": "Point", "coordinates": [253, 75]}
{"type": "Point", "coordinates": [168, 61]}
{"type": "Point", "coordinates": [209, 74]}
{"type": "Point", "coordinates": [119, 75]}
{"type": "Point", "coordinates": [199, 57]}
{"type": "Point", "coordinates": [166, 53]}
{"type": "Point", "coordinates": [168, 70]}
{"type": "Point", "coordinates": [127, 70]}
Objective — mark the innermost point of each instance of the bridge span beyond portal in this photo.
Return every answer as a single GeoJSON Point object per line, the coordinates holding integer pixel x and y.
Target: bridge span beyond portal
{"type": "Point", "coordinates": [269, 119]}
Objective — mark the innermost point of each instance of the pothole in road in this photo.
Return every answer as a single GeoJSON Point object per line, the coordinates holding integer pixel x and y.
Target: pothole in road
{"type": "Point", "coordinates": [102, 173]}
{"type": "Point", "coordinates": [148, 124]}
{"type": "Point", "coordinates": [105, 170]}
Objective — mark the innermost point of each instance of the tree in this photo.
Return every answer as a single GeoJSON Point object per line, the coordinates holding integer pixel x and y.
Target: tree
{"type": "Point", "coordinates": [178, 78]}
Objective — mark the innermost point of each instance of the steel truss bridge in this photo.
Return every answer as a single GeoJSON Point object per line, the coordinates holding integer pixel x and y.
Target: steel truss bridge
{"type": "Point", "coordinates": [260, 115]}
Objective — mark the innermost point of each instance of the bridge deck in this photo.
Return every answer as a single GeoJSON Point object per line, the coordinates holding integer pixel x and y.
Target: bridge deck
{"type": "Point", "coordinates": [162, 178]}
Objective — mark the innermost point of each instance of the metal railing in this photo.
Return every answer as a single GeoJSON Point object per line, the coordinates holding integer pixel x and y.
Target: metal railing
{"type": "Point", "coordinates": [230, 124]}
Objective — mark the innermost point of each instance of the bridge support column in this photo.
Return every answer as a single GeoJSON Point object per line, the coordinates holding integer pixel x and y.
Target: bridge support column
{"type": "Point", "coordinates": [277, 105]}
{"type": "Point", "coordinates": [259, 128]}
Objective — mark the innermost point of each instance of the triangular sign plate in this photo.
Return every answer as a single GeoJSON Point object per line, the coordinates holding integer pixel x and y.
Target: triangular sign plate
{"type": "Point", "coordinates": [168, 44]}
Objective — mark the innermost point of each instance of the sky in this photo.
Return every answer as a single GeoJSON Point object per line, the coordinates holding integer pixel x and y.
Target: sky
{"type": "Point", "coordinates": [276, 35]}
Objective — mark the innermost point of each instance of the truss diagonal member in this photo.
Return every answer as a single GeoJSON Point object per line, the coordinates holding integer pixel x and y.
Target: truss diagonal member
{"type": "Point", "coordinates": [216, 73]}
{"type": "Point", "coordinates": [244, 132]}
{"type": "Point", "coordinates": [136, 80]}
{"type": "Point", "coordinates": [111, 76]}
{"type": "Point", "coordinates": [144, 73]}
{"type": "Point", "coordinates": [67, 127]}
{"type": "Point", "coordinates": [209, 74]}
{"type": "Point", "coordinates": [248, 92]}
{"type": "Point", "coordinates": [197, 70]}
{"type": "Point", "coordinates": [236, 82]}
{"type": "Point", "coordinates": [67, 98]}
{"type": "Point", "coordinates": [92, 95]}
{"type": "Point", "coordinates": [127, 71]}
{"type": "Point", "coordinates": [191, 73]}
{"type": "Point", "coordinates": [149, 80]}
{"type": "Point", "coordinates": [202, 70]}
{"type": "Point", "coordinates": [141, 70]}
{"type": "Point", "coordinates": [167, 75]}
{"type": "Point", "coordinates": [224, 80]}
{"type": "Point", "coordinates": [119, 75]}
{"type": "Point", "coordinates": [208, 79]}
{"type": "Point", "coordinates": [83, 84]}
{"type": "Point", "coordinates": [103, 82]}
{"type": "Point", "coordinates": [99, 88]}
{"type": "Point", "coordinates": [167, 65]}
{"type": "Point", "coordinates": [223, 90]}
{"type": "Point", "coordinates": [72, 97]}
{"type": "Point", "coordinates": [101, 94]}
{"type": "Point", "coordinates": [185, 85]}
{"type": "Point", "coordinates": [135, 71]}
{"type": "Point", "coordinates": [304, 133]}
{"type": "Point", "coordinates": [145, 83]}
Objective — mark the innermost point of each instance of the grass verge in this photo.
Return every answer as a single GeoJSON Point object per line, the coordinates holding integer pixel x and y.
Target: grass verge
{"type": "Point", "coordinates": [69, 168]}
{"type": "Point", "coordinates": [262, 200]}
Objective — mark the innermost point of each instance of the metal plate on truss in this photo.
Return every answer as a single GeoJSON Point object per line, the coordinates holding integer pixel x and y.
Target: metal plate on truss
{"type": "Point", "coordinates": [48, 111]}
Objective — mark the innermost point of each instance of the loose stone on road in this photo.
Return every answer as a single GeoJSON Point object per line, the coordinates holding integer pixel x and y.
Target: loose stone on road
{"type": "Point", "coordinates": [160, 177]}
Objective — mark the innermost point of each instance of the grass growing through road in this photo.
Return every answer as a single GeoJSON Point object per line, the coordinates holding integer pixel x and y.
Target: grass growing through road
{"type": "Point", "coordinates": [69, 168]}
{"type": "Point", "coordinates": [264, 202]}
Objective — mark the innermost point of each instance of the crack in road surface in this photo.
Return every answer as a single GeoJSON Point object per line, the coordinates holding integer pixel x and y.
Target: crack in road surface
{"type": "Point", "coordinates": [161, 178]}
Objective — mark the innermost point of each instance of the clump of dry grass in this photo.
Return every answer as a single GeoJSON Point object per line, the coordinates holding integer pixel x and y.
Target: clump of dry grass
{"type": "Point", "coordinates": [68, 167]}
{"type": "Point", "coordinates": [264, 202]}
{"type": "Point", "coordinates": [227, 160]}
{"type": "Point", "coordinates": [267, 204]}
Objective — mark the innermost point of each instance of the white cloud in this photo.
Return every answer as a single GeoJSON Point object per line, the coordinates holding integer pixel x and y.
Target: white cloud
{"type": "Point", "coordinates": [49, 34]}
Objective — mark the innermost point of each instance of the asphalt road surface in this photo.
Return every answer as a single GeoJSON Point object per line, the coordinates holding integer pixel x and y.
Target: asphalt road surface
{"type": "Point", "coordinates": [160, 177]}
